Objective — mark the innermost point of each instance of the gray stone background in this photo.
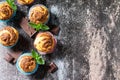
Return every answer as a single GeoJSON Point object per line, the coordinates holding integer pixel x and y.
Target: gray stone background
{"type": "Point", "coordinates": [88, 41]}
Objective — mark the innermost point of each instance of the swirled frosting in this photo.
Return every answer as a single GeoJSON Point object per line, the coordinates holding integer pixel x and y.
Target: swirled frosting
{"type": "Point", "coordinates": [5, 11]}
{"type": "Point", "coordinates": [8, 36]}
{"type": "Point", "coordinates": [45, 42]}
{"type": "Point", "coordinates": [38, 14]}
{"type": "Point", "coordinates": [27, 63]}
{"type": "Point", "coordinates": [25, 2]}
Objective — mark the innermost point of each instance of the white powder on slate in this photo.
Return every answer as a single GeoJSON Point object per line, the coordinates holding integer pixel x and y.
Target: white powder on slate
{"type": "Point", "coordinates": [62, 72]}
{"type": "Point", "coordinates": [54, 9]}
{"type": "Point", "coordinates": [97, 50]}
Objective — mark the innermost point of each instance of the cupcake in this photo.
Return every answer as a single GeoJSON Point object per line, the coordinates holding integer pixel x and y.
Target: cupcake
{"type": "Point", "coordinates": [6, 12]}
{"type": "Point", "coordinates": [45, 42]}
{"type": "Point", "coordinates": [25, 2]}
{"type": "Point", "coordinates": [38, 14]}
{"type": "Point", "coordinates": [26, 64]}
{"type": "Point", "coordinates": [8, 36]}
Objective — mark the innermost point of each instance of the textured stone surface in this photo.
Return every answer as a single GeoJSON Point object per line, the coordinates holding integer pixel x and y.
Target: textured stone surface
{"type": "Point", "coordinates": [88, 42]}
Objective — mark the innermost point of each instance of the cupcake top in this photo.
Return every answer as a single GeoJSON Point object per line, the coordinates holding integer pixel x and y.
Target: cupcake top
{"type": "Point", "coordinates": [38, 14]}
{"type": "Point", "coordinates": [27, 63]}
{"type": "Point", "coordinates": [8, 36]}
{"type": "Point", "coordinates": [45, 42]}
{"type": "Point", "coordinates": [25, 2]}
{"type": "Point", "coordinates": [5, 11]}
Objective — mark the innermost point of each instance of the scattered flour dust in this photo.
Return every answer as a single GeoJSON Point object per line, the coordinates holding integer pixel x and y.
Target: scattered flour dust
{"type": "Point", "coordinates": [54, 9]}
{"type": "Point", "coordinates": [62, 72]}
{"type": "Point", "coordinates": [97, 57]}
{"type": "Point", "coordinates": [97, 49]}
{"type": "Point", "coordinates": [63, 69]}
{"type": "Point", "coordinates": [111, 25]}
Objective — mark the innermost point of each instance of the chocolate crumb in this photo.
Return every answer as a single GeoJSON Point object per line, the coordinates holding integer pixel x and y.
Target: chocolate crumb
{"type": "Point", "coordinates": [55, 30]}
{"type": "Point", "coordinates": [25, 26]}
{"type": "Point", "coordinates": [52, 67]}
{"type": "Point", "coordinates": [9, 58]}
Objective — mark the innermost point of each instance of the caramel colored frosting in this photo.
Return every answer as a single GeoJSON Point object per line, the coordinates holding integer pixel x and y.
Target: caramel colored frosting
{"type": "Point", "coordinates": [38, 14]}
{"type": "Point", "coordinates": [25, 2]}
{"type": "Point", "coordinates": [5, 11]}
{"type": "Point", "coordinates": [8, 36]}
{"type": "Point", "coordinates": [45, 42]}
{"type": "Point", "coordinates": [27, 63]}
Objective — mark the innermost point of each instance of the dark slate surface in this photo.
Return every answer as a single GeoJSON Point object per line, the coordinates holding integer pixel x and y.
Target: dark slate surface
{"type": "Point", "coordinates": [88, 43]}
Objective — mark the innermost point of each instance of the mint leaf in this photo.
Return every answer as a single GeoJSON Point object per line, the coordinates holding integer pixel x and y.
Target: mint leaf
{"type": "Point", "coordinates": [40, 61]}
{"type": "Point", "coordinates": [38, 58]}
{"type": "Point", "coordinates": [12, 4]}
{"type": "Point", "coordinates": [39, 26]}
{"type": "Point", "coordinates": [44, 27]}
{"type": "Point", "coordinates": [32, 25]}
{"type": "Point", "coordinates": [34, 54]}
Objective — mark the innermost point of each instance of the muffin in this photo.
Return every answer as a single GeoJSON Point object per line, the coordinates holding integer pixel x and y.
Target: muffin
{"type": "Point", "coordinates": [26, 64]}
{"type": "Point", "coordinates": [6, 12]}
{"type": "Point", "coordinates": [8, 36]}
{"type": "Point", "coordinates": [25, 2]}
{"type": "Point", "coordinates": [45, 42]}
{"type": "Point", "coordinates": [38, 14]}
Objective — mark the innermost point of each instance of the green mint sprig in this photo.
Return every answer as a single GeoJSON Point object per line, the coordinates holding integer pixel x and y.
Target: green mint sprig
{"type": "Point", "coordinates": [12, 4]}
{"type": "Point", "coordinates": [39, 26]}
{"type": "Point", "coordinates": [38, 58]}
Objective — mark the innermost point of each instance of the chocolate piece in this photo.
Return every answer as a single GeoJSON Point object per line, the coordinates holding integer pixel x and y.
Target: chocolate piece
{"type": "Point", "coordinates": [55, 30]}
{"type": "Point", "coordinates": [25, 26]}
{"type": "Point", "coordinates": [9, 58]}
{"type": "Point", "coordinates": [12, 57]}
{"type": "Point", "coordinates": [16, 55]}
{"type": "Point", "coordinates": [52, 67]}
